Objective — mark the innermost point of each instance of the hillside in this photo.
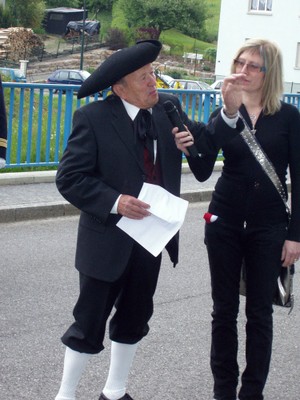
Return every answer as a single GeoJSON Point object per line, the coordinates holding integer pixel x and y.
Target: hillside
{"type": "Point", "coordinates": [174, 40]}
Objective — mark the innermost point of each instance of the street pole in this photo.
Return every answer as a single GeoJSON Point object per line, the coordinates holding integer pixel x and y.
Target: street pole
{"type": "Point", "coordinates": [196, 56]}
{"type": "Point", "coordinates": [82, 37]}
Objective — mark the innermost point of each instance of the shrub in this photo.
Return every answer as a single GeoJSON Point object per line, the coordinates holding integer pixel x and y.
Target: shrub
{"type": "Point", "coordinates": [115, 39]}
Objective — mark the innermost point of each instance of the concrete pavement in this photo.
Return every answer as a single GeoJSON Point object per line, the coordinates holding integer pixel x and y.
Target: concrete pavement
{"type": "Point", "coordinates": [33, 195]}
{"type": "Point", "coordinates": [40, 286]}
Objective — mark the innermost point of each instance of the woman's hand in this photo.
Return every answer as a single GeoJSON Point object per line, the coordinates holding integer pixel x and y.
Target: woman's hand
{"type": "Point", "coordinates": [290, 253]}
{"type": "Point", "coordinates": [232, 91]}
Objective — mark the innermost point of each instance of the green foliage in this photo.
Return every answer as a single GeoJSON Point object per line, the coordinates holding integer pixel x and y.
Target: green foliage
{"type": "Point", "coordinates": [119, 22]}
{"type": "Point", "coordinates": [210, 54]}
{"type": "Point", "coordinates": [116, 39]}
{"type": "Point", "coordinates": [97, 6]}
{"type": "Point", "coordinates": [212, 23]}
{"type": "Point", "coordinates": [187, 15]}
{"type": "Point", "coordinates": [27, 13]}
{"type": "Point", "coordinates": [105, 19]}
{"type": "Point", "coordinates": [62, 3]}
{"type": "Point", "coordinates": [6, 19]}
{"type": "Point", "coordinates": [180, 43]}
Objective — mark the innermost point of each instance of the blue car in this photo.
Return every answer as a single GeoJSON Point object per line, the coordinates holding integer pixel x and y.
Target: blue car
{"type": "Point", "coordinates": [68, 77]}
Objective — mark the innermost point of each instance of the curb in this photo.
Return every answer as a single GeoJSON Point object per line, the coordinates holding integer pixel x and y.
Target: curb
{"type": "Point", "coordinates": [37, 211]}
{"type": "Point", "coordinates": [24, 178]}
{"type": "Point", "coordinates": [62, 208]}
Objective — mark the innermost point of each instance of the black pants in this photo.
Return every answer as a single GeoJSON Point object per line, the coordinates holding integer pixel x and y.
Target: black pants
{"type": "Point", "coordinates": [132, 297]}
{"type": "Point", "coordinates": [260, 246]}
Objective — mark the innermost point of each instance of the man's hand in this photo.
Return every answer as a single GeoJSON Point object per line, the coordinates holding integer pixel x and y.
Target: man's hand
{"type": "Point", "coordinates": [132, 207]}
{"type": "Point", "coordinates": [183, 140]}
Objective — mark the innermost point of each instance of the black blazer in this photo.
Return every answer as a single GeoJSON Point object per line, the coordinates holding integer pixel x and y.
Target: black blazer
{"type": "Point", "coordinates": [100, 162]}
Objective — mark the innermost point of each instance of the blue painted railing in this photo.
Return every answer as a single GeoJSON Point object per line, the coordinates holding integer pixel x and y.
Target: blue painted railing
{"type": "Point", "coordinates": [40, 118]}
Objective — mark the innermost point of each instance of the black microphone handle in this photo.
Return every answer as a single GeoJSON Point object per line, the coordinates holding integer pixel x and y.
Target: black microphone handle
{"type": "Point", "coordinates": [176, 121]}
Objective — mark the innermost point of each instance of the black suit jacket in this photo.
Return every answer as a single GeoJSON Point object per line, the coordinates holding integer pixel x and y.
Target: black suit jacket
{"type": "Point", "coordinates": [101, 162]}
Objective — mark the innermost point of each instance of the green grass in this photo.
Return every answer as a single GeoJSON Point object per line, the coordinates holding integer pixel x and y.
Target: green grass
{"type": "Point", "coordinates": [212, 23]}
{"type": "Point", "coordinates": [28, 144]}
{"type": "Point", "coordinates": [180, 43]}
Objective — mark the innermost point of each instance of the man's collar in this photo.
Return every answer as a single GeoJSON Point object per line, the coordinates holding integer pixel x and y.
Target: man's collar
{"type": "Point", "coordinates": [132, 110]}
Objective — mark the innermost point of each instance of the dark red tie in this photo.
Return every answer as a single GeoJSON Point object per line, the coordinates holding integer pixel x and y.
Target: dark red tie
{"type": "Point", "coordinates": [145, 133]}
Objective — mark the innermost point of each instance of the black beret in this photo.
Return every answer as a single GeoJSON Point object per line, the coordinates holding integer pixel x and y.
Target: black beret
{"type": "Point", "coordinates": [120, 64]}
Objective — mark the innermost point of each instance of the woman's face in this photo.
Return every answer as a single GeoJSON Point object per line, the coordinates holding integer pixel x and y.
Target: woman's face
{"type": "Point", "coordinates": [251, 64]}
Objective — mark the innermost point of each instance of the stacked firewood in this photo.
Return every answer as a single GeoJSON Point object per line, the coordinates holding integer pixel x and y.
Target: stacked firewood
{"type": "Point", "coordinates": [21, 44]}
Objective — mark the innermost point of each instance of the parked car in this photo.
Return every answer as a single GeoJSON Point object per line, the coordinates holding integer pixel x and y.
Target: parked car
{"type": "Point", "coordinates": [217, 85]}
{"type": "Point", "coordinates": [189, 84]}
{"type": "Point", "coordinates": [68, 77]}
{"type": "Point", "coordinates": [194, 85]}
{"type": "Point", "coordinates": [14, 74]}
{"type": "Point", "coordinates": [166, 78]}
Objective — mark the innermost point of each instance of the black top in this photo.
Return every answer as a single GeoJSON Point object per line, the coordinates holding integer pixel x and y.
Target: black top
{"type": "Point", "coordinates": [244, 192]}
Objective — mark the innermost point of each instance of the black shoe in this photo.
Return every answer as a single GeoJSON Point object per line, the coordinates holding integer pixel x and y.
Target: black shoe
{"type": "Point", "coordinates": [125, 397]}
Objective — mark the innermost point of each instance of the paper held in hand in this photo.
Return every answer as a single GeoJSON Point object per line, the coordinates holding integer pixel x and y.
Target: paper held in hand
{"type": "Point", "coordinates": [167, 216]}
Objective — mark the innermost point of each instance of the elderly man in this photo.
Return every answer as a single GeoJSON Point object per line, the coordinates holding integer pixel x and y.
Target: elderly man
{"type": "Point", "coordinates": [115, 146]}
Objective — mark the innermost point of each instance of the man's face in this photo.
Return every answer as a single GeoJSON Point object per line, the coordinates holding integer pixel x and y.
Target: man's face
{"type": "Point", "coordinates": [139, 87]}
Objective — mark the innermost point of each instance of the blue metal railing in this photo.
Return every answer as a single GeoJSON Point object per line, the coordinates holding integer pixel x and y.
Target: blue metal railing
{"type": "Point", "coordinates": [40, 118]}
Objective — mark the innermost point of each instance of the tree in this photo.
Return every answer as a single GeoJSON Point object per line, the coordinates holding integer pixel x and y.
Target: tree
{"type": "Point", "coordinates": [27, 13]}
{"type": "Point", "coordinates": [188, 16]}
{"type": "Point", "coordinates": [62, 3]}
{"type": "Point", "coordinates": [97, 6]}
{"type": "Point", "coordinates": [6, 19]}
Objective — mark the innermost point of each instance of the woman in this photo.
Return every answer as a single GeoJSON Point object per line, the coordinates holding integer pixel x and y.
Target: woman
{"type": "Point", "coordinates": [250, 220]}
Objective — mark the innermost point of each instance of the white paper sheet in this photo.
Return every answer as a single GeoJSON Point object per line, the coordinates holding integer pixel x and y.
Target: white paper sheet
{"type": "Point", "coordinates": [167, 216]}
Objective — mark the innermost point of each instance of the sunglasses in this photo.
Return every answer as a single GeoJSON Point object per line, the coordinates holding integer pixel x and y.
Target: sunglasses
{"type": "Point", "coordinates": [251, 67]}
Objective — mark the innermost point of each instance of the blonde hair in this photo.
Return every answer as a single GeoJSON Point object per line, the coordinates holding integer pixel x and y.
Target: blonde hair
{"type": "Point", "coordinates": [272, 89]}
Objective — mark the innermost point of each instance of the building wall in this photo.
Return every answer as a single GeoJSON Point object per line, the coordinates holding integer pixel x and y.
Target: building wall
{"type": "Point", "coordinates": [56, 20]}
{"type": "Point", "coordinates": [281, 25]}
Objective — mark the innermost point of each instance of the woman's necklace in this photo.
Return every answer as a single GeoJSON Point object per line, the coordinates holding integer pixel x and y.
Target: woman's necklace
{"type": "Point", "coordinates": [253, 118]}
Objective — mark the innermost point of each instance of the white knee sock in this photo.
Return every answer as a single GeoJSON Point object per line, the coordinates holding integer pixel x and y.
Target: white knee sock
{"type": "Point", "coordinates": [121, 359]}
{"type": "Point", "coordinates": [74, 365]}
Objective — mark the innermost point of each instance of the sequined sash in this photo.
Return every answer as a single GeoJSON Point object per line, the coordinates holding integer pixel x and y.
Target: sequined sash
{"type": "Point", "coordinates": [263, 160]}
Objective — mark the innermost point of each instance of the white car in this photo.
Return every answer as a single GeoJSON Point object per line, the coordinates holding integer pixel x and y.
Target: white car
{"type": "Point", "coordinates": [168, 79]}
{"type": "Point", "coordinates": [217, 84]}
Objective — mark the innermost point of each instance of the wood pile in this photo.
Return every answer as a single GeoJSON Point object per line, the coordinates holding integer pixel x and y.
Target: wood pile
{"type": "Point", "coordinates": [18, 43]}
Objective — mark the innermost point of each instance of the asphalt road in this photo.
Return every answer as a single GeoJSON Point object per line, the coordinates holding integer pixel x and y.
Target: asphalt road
{"type": "Point", "coordinates": [39, 287]}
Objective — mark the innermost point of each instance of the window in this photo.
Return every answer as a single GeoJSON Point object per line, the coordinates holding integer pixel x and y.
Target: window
{"type": "Point", "coordinates": [75, 75]}
{"type": "Point", "coordinates": [56, 17]}
{"type": "Point", "coordinates": [63, 75]}
{"type": "Point", "coordinates": [192, 86]}
{"type": "Point", "coordinates": [260, 5]}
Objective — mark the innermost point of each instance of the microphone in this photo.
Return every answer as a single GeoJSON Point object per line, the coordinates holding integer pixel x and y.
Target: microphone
{"type": "Point", "coordinates": [175, 119]}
